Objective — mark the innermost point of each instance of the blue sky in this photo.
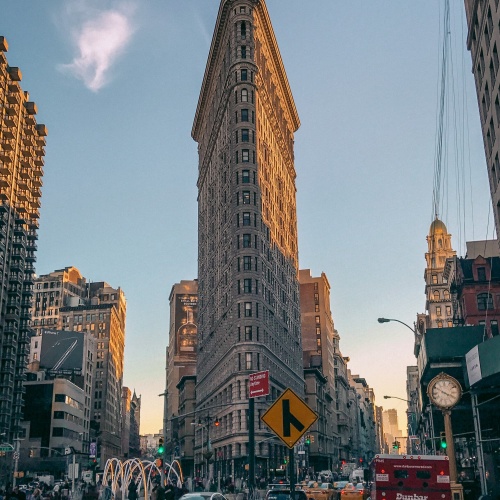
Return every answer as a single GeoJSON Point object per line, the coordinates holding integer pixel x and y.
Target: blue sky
{"type": "Point", "coordinates": [117, 85]}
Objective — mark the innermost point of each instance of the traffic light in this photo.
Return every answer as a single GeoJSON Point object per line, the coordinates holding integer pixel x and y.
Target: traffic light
{"type": "Point", "coordinates": [308, 440]}
{"type": "Point", "coordinates": [285, 460]}
{"type": "Point", "coordinates": [395, 445]}
{"type": "Point", "coordinates": [161, 447]}
{"type": "Point", "coordinates": [442, 437]}
{"type": "Point", "coordinates": [217, 422]}
{"type": "Point", "coordinates": [159, 463]}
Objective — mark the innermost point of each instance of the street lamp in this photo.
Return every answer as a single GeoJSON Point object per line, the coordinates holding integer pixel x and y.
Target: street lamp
{"type": "Point", "coordinates": [396, 397]}
{"type": "Point", "coordinates": [387, 320]}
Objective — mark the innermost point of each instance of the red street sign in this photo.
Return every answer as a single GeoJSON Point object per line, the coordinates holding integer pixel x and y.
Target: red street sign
{"type": "Point", "coordinates": [259, 384]}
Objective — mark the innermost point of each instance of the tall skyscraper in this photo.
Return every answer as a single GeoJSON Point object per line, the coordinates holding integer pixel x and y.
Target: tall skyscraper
{"type": "Point", "coordinates": [103, 314]}
{"type": "Point", "coordinates": [65, 300]}
{"type": "Point", "coordinates": [22, 143]}
{"type": "Point", "coordinates": [483, 41]}
{"type": "Point", "coordinates": [248, 291]}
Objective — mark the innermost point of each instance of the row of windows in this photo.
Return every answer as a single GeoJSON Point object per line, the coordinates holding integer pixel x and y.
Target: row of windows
{"type": "Point", "coordinates": [246, 198]}
{"type": "Point", "coordinates": [245, 156]}
{"type": "Point", "coordinates": [246, 219]}
{"type": "Point", "coordinates": [245, 286]}
{"type": "Point", "coordinates": [63, 398]}
{"type": "Point", "coordinates": [448, 311]}
{"type": "Point", "coordinates": [244, 133]}
{"type": "Point", "coordinates": [244, 95]}
{"type": "Point", "coordinates": [244, 116]}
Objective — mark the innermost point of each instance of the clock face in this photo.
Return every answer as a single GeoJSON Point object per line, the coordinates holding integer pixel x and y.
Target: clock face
{"type": "Point", "coordinates": [445, 393]}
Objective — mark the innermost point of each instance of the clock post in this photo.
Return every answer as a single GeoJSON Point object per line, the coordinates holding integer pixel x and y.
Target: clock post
{"type": "Point", "coordinates": [445, 392]}
{"type": "Point", "coordinates": [450, 448]}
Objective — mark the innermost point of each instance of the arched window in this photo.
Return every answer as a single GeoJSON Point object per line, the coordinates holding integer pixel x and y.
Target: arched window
{"type": "Point", "coordinates": [484, 301]}
{"type": "Point", "coordinates": [436, 295]}
{"type": "Point", "coordinates": [446, 295]}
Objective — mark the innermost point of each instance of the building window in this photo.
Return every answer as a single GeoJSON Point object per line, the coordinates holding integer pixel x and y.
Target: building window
{"type": "Point", "coordinates": [245, 176]}
{"type": "Point", "coordinates": [246, 218]}
{"type": "Point", "coordinates": [247, 263]}
{"type": "Point", "coordinates": [316, 307]}
{"type": "Point", "coordinates": [248, 361]}
{"type": "Point", "coordinates": [484, 301]}
{"type": "Point", "coordinates": [438, 311]}
{"type": "Point", "coordinates": [440, 324]}
{"type": "Point", "coordinates": [248, 333]}
{"type": "Point", "coordinates": [244, 115]}
{"type": "Point", "coordinates": [245, 196]}
{"type": "Point", "coordinates": [248, 309]}
{"type": "Point", "coordinates": [481, 274]}
{"type": "Point", "coordinates": [436, 295]}
{"type": "Point", "coordinates": [243, 29]}
{"type": "Point", "coordinates": [244, 94]}
{"type": "Point", "coordinates": [446, 295]}
{"type": "Point", "coordinates": [494, 328]}
{"type": "Point", "coordinates": [434, 279]}
{"type": "Point", "coordinates": [243, 51]}
{"type": "Point", "coordinates": [245, 157]}
{"type": "Point", "coordinates": [247, 241]}
{"type": "Point", "coordinates": [448, 310]}
{"type": "Point", "coordinates": [245, 135]}
{"type": "Point", "coordinates": [450, 324]}
{"type": "Point", "coordinates": [247, 285]}
{"type": "Point", "coordinates": [317, 320]}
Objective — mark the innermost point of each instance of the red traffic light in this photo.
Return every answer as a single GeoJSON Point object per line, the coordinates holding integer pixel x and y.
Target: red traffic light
{"type": "Point", "coordinates": [216, 423]}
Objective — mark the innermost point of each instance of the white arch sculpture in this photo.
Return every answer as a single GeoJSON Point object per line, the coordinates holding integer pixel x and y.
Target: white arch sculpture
{"type": "Point", "coordinates": [117, 471]}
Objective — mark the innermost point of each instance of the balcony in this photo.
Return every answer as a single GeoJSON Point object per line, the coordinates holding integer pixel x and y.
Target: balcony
{"type": "Point", "coordinates": [8, 134]}
{"type": "Point", "coordinates": [27, 166]}
{"type": "Point", "coordinates": [9, 121]}
{"type": "Point", "coordinates": [7, 145]}
{"type": "Point", "coordinates": [13, 98]}
{"type": "Point", "coordinates": [13, 316]}
{"type": "Point", "coordinates": [4, 169]}
{"type": "Point", "coordinates": [39, 161]}
{"type": "Point", "coordinates": [6, 156]}
{"type": "Point", "coordinates": [5, 182]}
{"type": "Point", "coordinates": [31, 108]}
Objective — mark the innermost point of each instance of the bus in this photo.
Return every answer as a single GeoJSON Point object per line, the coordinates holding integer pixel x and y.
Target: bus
{"type": "Point", "coordinates": [410, 477]}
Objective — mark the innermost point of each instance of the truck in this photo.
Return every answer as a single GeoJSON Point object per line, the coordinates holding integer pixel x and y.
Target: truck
{"type": "Point", "coordinates": [45, 478]}
{"type": "Point", "coordinates": [357, 476]}
{"type": "Point", "coordinates": [410, 477]}
{"type": "Point", "coordinates": [347, 469]}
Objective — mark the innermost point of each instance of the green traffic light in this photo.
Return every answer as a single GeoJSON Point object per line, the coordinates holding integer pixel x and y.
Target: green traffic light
{"type": "Point", "coordinates": [161, 449]}
{"type": "Point", "coordinates": [443, 444]}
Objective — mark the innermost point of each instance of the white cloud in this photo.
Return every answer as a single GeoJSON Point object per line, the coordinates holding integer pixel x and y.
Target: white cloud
{"type": "Point", "coordinates": [99, 41]}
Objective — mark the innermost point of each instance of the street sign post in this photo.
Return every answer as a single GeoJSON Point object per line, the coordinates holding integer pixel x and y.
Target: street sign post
{"type": "Point", "coordinates": [259, 384]}
{"type": "Point", "coordinates": [289, 418]}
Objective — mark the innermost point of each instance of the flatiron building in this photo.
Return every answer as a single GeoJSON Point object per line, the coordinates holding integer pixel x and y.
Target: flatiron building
{"type": "Point", "coordinates": [248, 290]}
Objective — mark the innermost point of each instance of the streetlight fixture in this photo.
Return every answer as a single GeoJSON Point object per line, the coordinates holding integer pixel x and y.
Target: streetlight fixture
{"type": "Point", "coordinates": [396, 397]}
{"type": "Point", "coordinates": [387, 320]}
